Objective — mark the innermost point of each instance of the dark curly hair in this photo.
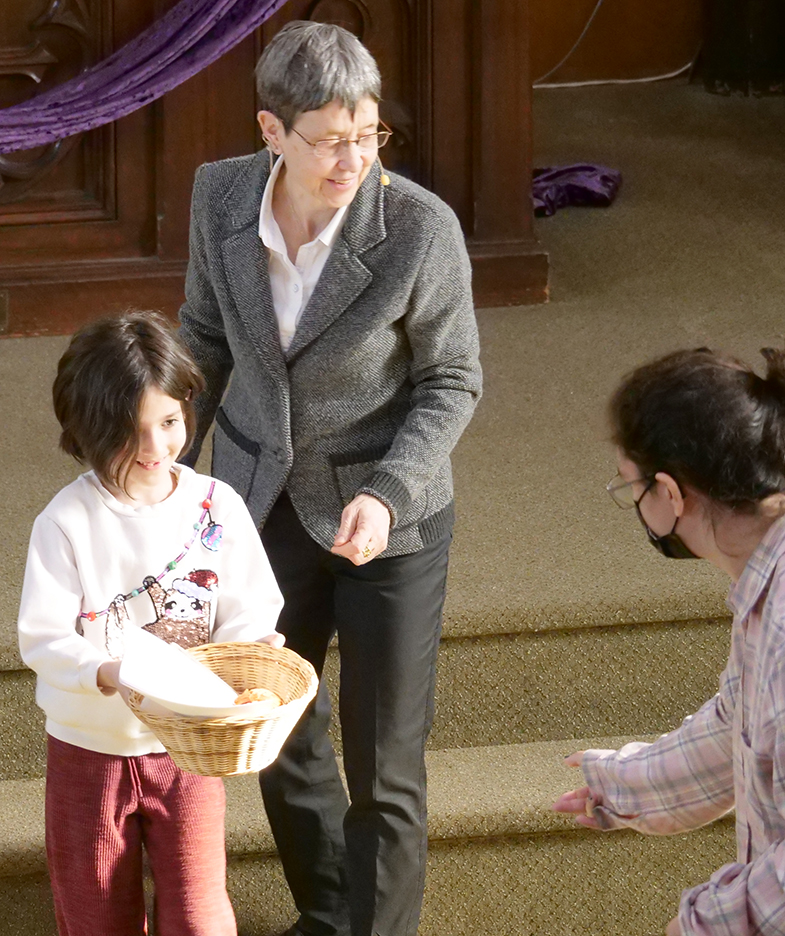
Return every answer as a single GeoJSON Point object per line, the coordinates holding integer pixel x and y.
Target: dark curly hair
{"type": "Point", "coordinates": [708, 420]}
{"type": "Point", "coordinates": [101, 379]}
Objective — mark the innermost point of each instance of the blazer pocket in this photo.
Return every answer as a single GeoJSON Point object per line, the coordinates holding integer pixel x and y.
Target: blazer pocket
{"type": "Point", "coordinates": [235, 456]}
{"type": "Point", "coordinates": [352, 477]}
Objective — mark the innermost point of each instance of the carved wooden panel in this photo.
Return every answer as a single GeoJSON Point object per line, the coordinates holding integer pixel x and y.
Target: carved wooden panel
{"type": "Point", "coordinates": [91, 197]}
{"type": "Point", "coordinates": [44, 43]}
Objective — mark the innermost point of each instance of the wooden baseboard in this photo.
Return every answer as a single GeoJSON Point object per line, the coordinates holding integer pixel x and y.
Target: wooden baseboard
{"type": "Point", "coordinates": [511, 277]}
{"type": "Point", "coordinates": [56, 300]}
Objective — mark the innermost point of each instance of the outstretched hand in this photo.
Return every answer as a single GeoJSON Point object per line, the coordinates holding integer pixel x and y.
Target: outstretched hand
{"type": "Point", "coordinates": [580, 802]}
{"type": "Point", "coordinates": [673, 928]}
{"type": "Point", "coordinates": [365, 526]}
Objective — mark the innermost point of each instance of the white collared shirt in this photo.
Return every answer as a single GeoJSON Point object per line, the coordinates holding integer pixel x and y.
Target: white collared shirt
{"type": "Point", "coordinates": [293, 283]}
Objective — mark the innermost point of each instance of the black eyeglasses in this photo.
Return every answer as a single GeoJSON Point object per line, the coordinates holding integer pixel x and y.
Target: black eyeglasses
{"type": "Point", "coordinates": [367, 143]}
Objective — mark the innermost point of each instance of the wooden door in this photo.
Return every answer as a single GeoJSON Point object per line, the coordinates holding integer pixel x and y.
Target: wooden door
{"type": "Point", "coordinates": [99, 222]}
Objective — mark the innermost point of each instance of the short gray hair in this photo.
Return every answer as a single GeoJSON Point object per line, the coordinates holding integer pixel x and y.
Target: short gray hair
{"type": "Point", "coordinates": [308, 65]}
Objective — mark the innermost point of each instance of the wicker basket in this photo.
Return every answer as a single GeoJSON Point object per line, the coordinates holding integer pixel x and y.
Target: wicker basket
{"type": "Point", "coordinates": [222, 747]}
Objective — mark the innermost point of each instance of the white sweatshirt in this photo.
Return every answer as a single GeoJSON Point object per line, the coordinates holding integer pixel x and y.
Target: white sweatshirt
{"type": "Point", "coordinates": [87, 550]}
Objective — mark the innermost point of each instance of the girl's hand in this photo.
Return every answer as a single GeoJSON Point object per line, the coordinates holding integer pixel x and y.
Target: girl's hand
{"type": "Point", "coordinates": [275, 639]}
{"type": "Point", "coordinates": [673, 928]}
{"type": "Point", "coordinates": [108, 677]}
{"type": "Point", "coordinates": [108, 680]}
{"type": "Point", "coordinates": [365, 526]}
{"type": "Point", "coordinates": [580, 802]}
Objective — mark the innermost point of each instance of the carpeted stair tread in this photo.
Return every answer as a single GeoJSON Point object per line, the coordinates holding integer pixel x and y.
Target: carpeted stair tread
{"type": "Point", "coordinates": [502, 790]}
{"type": "Point", "coordinates": [486, 792]}
{"type": "Point", "coordinates": [505, 689]}
{"type": "Point", "coordinates": [474, 793]}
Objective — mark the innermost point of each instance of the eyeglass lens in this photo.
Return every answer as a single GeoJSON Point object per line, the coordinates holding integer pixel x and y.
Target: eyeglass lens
{"type": "Point", "coordinates": [366, 143]}
{"type": "Point", "coordinates": [622, 492]}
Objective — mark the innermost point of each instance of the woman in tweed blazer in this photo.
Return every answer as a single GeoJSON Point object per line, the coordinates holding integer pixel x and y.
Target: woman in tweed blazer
{"type": "Point", "coordinates": [338, 300]}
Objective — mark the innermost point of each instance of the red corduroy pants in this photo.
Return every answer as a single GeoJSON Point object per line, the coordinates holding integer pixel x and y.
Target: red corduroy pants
{"type": "Point", "coordinates": [100, 811]}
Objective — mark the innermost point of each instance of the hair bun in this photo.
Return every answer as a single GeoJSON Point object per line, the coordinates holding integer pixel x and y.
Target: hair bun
{"type": "Point", "coordinates": [775, 366]}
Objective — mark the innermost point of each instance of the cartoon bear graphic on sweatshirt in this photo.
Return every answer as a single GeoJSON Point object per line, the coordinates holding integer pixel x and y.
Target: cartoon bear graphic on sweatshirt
{"type": "Point", "coordinates": [182, 612]}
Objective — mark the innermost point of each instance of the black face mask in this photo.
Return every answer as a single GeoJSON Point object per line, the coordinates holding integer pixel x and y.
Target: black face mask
{"type": "Point", "coordinates": [670, 544]}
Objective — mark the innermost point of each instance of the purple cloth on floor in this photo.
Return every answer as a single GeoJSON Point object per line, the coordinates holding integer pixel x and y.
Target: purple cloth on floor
{"type": "Point", "coordinates": [190, 36]}
{"type": "Point", "coordinates": [581, 184]}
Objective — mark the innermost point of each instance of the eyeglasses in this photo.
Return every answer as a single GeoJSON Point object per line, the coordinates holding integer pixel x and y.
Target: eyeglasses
{"type": "Point", "coordinates": [621, 491]}
{"type": "Point", "coordinates": [367, 143]}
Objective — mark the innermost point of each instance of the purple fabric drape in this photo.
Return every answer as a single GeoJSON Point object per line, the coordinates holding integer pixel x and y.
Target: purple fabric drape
{"type": "Point", "coordinates": [582, 184]}
{"type": "Point", "coordinates": [189, 37]}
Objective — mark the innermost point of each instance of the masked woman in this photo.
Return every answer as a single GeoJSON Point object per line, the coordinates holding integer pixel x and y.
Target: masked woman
{"type": "Point", "coordinates": [701, 456]}
{"type": "Point", "coordinates": [338, 299]}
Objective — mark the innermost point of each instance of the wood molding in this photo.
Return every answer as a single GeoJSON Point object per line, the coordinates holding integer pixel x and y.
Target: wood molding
{"type": "Point", "coordinates": [90, 271]}
{"type": "Point", "coordinates": [59, 298]}
{"type": "Point", "coordinates": [515, 276]}
{"type": "Point", "coordinates": [510, 268]}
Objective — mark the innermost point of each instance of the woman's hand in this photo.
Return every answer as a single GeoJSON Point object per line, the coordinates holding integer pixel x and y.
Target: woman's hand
{"type": "Point", "coordinates": [673, 928]}
{"type": "Point", "coordinates": [275, 639]}
{"type": "Point", "coordinates": [365, 526]}
{"type": "Point", "coordinates": [580, 802]}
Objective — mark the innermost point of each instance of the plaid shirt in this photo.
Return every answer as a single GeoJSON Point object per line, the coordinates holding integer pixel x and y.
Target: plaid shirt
{"type": "Point", "coordinates": [731, 752]}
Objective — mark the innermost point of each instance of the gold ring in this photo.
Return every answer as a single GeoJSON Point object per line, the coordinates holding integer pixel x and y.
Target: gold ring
{"type": "Point", "coordinates": [367, 552]}
{"type": "Point", "coordinates": [589, 808]}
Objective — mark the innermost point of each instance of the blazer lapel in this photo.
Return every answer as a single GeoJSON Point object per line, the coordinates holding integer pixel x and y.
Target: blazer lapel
{"type": "Point", "coordinates": [245, 262]}
{"type": "Point", "coordinates": [344, 276]}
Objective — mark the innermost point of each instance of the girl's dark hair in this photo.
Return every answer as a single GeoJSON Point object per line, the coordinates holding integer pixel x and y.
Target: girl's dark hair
{"type": "Point", "coordinates": [707, 420]}
{"type": "Point", "coordinates": [101, 380]}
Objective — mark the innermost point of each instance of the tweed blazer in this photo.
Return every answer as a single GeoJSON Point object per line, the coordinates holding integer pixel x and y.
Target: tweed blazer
{"type": "Point", "coordinates": [380, 379]}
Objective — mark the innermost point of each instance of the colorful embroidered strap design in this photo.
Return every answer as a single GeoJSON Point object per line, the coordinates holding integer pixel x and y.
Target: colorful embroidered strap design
{"type": "Point", "coordinates": [205, 505]}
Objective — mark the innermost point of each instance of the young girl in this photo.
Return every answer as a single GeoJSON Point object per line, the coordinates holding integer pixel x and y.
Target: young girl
{"type": "Point", "coordinates": [701, 456]}
{"type": "Point", "coordinates": [137, 542]}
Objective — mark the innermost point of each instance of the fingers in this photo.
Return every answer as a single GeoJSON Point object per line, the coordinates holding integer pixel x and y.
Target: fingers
{"type": "Point", "coordinates": [353, 553]}
{"type": "Point", "coordinates": [579, 803]}
{"type": "Point", "coordinates": [108, 677]}
{"type": "Point", "coordinates": [362, 534]}
{"type": "Point", "coordinates": [124, 692]}
{"type": "Point", "coordinates": [572, 802]}
{"type": "Point", "coordinates": [347, 526]}
{"type": "Point", "coordinates": [589, 822]}
{"type": "Point", "coordinates": [673, 928]}
{"type": "Point", "coordinates": [274, 640]}
{"type": "Point", "coordinates": [574, 760]}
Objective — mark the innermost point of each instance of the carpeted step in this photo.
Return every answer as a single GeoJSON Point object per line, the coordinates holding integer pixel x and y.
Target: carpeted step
{"type": "Point", "coordinates": [500, 860]}
{"type": "Point", "coordinates": [504, 688]}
